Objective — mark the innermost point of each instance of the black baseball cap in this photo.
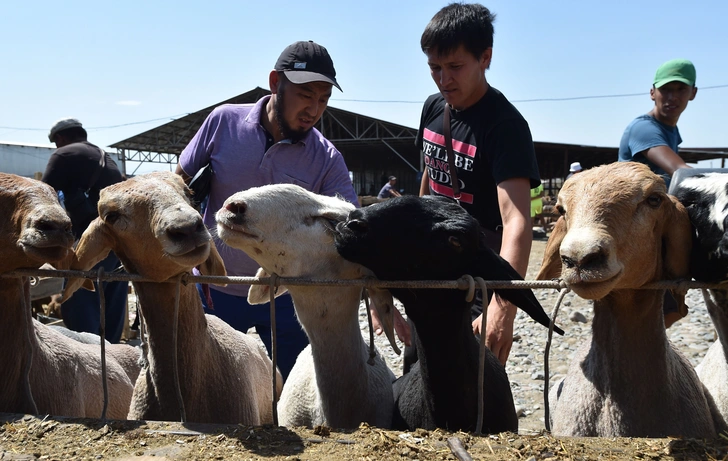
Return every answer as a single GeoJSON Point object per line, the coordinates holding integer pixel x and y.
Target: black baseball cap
{"type": "Point", "coordinates": [304, 62]}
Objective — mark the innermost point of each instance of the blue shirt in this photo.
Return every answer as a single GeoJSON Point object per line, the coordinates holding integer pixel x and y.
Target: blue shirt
{"type": "Point", "coordinates": [646, 132]}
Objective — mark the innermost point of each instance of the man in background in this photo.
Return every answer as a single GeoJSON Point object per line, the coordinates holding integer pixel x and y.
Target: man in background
{"type": "Point", "coordinates": [653, 138]}
{"type": "Point", "coordinates": [80, 170]}
{"type": "Point", "coordinates": [388, 190]}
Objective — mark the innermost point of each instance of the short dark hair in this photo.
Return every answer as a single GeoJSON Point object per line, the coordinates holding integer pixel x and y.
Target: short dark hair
{"type": "Point", "coordinates": [74, 134]}
{"type": "Point", "coordinates": [468, 24]}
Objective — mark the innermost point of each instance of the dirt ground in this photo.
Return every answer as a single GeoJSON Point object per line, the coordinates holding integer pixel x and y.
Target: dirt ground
{"type": "Point", "coordinates": [29, 438]}
{"type": "Point", "coordinates": [24, 437]}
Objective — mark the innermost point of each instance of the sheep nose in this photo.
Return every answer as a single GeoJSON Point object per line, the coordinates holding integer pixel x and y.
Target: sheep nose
{"type": "Point", "coordinates": [180, 232]}
{"type": "Point", "coordinates": [48, 225]}
{"type": "Point", "coordinates": [590, 260]}
{"type": "Point", "coordinates": [356, 225]}
{"type": "Point", "coordinates": [236, 207]}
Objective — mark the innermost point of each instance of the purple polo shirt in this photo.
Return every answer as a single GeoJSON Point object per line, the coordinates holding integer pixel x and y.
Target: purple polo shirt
{"type": "Point", "coordinates": [233, 140]}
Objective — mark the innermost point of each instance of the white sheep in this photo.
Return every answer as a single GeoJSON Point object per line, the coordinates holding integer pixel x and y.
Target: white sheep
{"type": "Point", "coordinates": [224, 375]}
{"type": "Point", "coordinates": [288, 231]}
{"type": "Point", "coordinates": [618, 232]}
{"type": "Point", "coordinates": [65, 377]}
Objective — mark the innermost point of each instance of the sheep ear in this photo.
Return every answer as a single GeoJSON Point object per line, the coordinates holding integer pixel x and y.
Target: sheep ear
{"type": "Point", "coordinates": [384, 305]}
{"type": "Point", "coordinates": [93, 247]}
{"type": "Point", "coordinates": [260, 294]}
{"type": "Point", "coordinates": [676, 242]}
{"type": "Point", "coordinates": [551, 264]}
{"type": "Point", "coordinates": [214, 264]}
{"type": "Point", "coordinates": [676, 245]}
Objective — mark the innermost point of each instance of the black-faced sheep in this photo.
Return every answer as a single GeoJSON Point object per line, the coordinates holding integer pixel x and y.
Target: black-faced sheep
{"type": "Point", "coordinates": [705, 196]}
{"type": "Point", "coordinates": [618, 232]}
{"type": "Point", "coordinates": [65, 377]}
{"type": "Point", "coordinates": [432, 238]}
{"type": "Point", "coordinates": [289, 231]}
{"type": "Point", "coordinates": [224, 375]}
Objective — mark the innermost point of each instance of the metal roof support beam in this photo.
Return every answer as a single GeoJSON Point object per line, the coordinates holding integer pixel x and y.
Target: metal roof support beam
{"type": "Point", "coordinates": [400, 156]}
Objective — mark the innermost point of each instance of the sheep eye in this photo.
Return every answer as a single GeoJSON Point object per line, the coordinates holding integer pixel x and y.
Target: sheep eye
{"type": "Point", "coordinates": [111, 217]}
{"type": "Point", "coordinates": [560, 210]}
{"type": "Point", "coordinates": [654, 200]}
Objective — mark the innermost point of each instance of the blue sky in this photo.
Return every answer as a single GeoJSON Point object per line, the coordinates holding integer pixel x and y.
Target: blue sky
{"type": "Point", "coordinates": [116, 64]}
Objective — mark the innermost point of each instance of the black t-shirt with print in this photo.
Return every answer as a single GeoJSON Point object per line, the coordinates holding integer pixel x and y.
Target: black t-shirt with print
{"type": "Point", "coordinates": [492, 143]}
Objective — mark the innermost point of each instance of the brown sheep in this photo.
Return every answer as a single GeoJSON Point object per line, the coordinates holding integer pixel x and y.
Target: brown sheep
{"type": "Point", "coordinates": [65, 376]}
{"type": "Point", "coordinates": [619, 231]}
{"type": "Point", "coordinates": [149, 223]}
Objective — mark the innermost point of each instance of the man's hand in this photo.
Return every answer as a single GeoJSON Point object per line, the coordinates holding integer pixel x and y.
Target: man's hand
{"type": "Point", "coordinates": [401, 327]}
{"type": "Point", "coordinates": [499, 327]}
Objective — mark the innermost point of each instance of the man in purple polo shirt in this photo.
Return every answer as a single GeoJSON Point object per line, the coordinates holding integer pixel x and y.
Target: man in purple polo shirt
{"type": "Point", "coordinates": [270, 142]}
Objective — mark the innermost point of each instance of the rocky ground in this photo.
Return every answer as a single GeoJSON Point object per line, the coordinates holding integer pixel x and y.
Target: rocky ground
{"type": "Point", "coordinates": [28, 438]}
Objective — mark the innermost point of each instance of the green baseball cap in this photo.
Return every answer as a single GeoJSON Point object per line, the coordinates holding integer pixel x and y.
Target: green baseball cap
{"type": "Point", "coordinates": [676, 70]}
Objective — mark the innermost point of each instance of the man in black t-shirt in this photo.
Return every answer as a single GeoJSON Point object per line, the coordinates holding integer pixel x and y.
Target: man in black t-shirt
{"type": "Point", "coordinates": [492, 144]}
{"type": "Point", "coordinates": [75, 169]}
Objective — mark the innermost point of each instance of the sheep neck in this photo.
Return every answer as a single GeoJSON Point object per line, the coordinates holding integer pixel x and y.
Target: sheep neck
{"type": "Point", "coordinates": [156, 302]}
{"type": "Point", "coordinates": [338, 350]}
{"type": "Point", "coordinates": [15, 324]}
{"type": "Point", "coordinates": [628, 338]}
{"type": "Point", "coordinates": [454, 354]}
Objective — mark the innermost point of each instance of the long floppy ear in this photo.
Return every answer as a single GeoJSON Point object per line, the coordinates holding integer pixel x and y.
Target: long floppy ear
{"type": "Point", "coordinates": [384, 305]}
{"type": "Point", "coordinates": [260, 294]}
{"type": "Point", "coordinates": [551, 264]}
{"type": "Point", "coordinates": [676, 245]}
{"type": "Point", "coordinates": [214, 264]}
{"type": "Point", "coordinates": [93, 247]}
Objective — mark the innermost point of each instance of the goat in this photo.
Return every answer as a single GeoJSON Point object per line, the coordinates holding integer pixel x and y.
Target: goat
{"type": "Point", "coordinates": [149, 223]}
{"type": "Point", "coordinates": [65, 376]}
{"type": "Point", "coordinates": [619, 231]}
{"type": "Point", "coordinates": [289, 230]}
{"type": "Point", "coordinates": [432, 238]}
{"type": "Point", "coordinates": [705, 196]}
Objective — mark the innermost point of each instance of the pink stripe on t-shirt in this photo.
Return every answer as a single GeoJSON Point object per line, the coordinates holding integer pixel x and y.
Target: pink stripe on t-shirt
{"type": "Point", "coordinates": [458, 146]}
{"type": "Point", "coordinates": [447, 191]}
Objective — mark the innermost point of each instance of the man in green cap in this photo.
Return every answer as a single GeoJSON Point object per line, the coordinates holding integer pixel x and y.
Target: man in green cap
{"type": "Point", "coordinates": [653, 138]}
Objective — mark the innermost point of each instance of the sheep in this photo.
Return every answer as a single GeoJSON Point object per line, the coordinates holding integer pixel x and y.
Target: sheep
{"type": "Point", "coordinates": [705, 196]}
{"type": "Point", "coordinates": [65, 377]}
{"type": "Point", "coordinates": [128, 356]}
{"type": "Point", "coordinates": [432, 238]}
{"type": "Point", "coordinates": [149, 223]}
{"type": "Point", "coordinates": [289, 230]}
{"type": "Point", "coordinates": [618, 232]}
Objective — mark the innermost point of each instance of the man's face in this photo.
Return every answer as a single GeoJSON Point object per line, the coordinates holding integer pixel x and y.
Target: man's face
{"type": "Point", "coordinates": [459, 75]}
{"type": "Point", "coordinates": [671, 99]}
{"type": "Point", "coordinates": [299, 107]}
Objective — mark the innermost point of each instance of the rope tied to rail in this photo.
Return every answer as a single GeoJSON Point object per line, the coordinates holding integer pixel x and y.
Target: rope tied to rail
{"type": "Point", "coordinates": [102, 339]}
{"type": "Point", "coordinates": [273, 289]}
{"type": "Point", "coordinates": [372, 350]}
{"type": "Point", "coordinates": [28, 320]}
{"type": "Point", "coordinates": [562, 292]}
{"type": "Point", "coordinates": [481, 363]}
{"type": "Point", "coordinates": [175, 325]}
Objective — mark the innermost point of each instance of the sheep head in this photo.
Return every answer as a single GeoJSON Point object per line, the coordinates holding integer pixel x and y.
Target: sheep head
{"type": "Point", "coordinates": [150, 225]}
{"type": "Point", "coordinates": [618, 230]}
{"type": "Point", "coordinates": [36, 229]}
{"type": "Point", "coordinates": [426, 238]}
{"type": "Point", "coordinates": [705, 196]}
{"type": "Point", "coordinates": [290, 231]}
